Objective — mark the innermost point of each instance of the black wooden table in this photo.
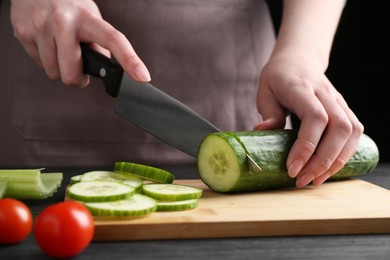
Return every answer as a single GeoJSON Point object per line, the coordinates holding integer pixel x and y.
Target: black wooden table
{"type": "Point", "coordinates": [352, 247]}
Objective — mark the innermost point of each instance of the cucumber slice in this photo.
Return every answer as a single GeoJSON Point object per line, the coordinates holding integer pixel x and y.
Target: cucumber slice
{"type": "Point", "coordinates": [222, 165]}
{"type": "Point", "coordinates": [177, 205]}
{"type": "Point", "coordinates": [128, 179]}
{"type": "Point", "coordinates": [137, 205]}
{"type": "Point", "coordinates": [171, 192]}
{"type": "Point", "coordinates": [145, 172]}
{"type": "Point", "coordinates": [76, 178]}
{"type": "Point", "coordinates": [100, 191]}
{"type": "Point", "coordinates": [3, 187]}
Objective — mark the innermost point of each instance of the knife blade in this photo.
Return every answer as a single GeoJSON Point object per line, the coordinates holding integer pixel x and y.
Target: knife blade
{"type": "Point", "coordinates": [149, 108]}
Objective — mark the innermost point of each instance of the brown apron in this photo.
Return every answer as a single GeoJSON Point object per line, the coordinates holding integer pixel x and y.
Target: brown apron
{"type": "Point", "coordinates": [208, 54]}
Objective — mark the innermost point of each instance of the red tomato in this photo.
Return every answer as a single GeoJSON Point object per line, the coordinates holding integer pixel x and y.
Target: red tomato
{"type": "Point", "coordinates": [64, 229]}
{"type": "Point", "coordinates": [15, 221]}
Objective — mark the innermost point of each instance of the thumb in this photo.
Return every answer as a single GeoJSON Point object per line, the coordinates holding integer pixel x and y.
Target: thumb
{"type": "Point", "coordinates": [273, 115]}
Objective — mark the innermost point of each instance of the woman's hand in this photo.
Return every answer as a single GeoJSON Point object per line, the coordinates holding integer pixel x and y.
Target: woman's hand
{"type": "Point", "coordinates": [329, 133]}
{"type": "Point", "coordinates": [51, 31]}
{"type": "Point", "coordinates": [294, 81]}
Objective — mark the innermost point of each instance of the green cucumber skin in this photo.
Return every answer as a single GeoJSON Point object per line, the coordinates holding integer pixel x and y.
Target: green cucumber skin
{"type": "Point", "coordinates": [166, 206]}
{"type": "Point", "coordinates": [270, 149]}
{"type": "Point", "coordinates": [144, 172]}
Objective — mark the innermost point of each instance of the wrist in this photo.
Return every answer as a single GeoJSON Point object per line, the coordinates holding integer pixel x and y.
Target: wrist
{"type": "Point", "coordinates": [295, 52]}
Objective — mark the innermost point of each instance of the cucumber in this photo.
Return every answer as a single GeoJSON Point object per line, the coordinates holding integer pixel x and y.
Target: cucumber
{"type": "Point", "coordinates": [177, 205]}
{"type": "Point", "coordinates": [223, 166]}
{"type": "Point", "coordinates": [135, 206]}
{"type": "Point", "coordinates": [128, 179]}
{"type": "Point", "coordinates": [100, 191]}
{"type": "Point", "coordinates": [74, 179]}
{"type": "Point", "coordinates": [145, 172]}
{"type": "Point", "coordinates": [171, 192]}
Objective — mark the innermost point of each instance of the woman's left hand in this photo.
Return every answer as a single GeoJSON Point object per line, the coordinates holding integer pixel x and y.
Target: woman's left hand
{"type": "Point", "coordinates": [329, 132]}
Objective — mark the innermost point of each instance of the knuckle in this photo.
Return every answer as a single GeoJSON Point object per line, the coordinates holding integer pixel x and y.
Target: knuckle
{"type": "Point", "coordinates": [131, 60]}
{"type": "Point", "coordinates": [337, 165]}
{"type": "Point", "coordinates": [128, 58]}
{"type": "Point", "coordinates": [22, 32]}
{"type": "Point", "coordinates": [339, 162]}
{"type": "Point", "coordinates": [59, 20]}
{"type": "Point", "coordinates": [344, 127]}
{"type": "Point", "coordinates": [325, 163]}
{"type": "Point", "coordinates": [308, 146]}
{"type": "Point", "coordinates": [42, 25]}
{"type": "Point", "coordinates": [319, 116]}
{"type": "Point", "coordinates": [358, 128]}
{"type": "Point", "coordinates": [114, 36]}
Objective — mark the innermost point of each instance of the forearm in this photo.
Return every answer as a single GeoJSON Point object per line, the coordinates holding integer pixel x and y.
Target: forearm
{"type": "Point", "coordinates": [308, 28]}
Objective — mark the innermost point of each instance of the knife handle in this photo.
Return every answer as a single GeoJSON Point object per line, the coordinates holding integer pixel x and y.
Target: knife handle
{"type": "Point", "coordinates": [98, 65]}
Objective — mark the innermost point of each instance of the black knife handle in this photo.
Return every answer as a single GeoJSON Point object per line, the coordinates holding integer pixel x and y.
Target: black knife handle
{"type": "Point", "coordinates": [98, 65]}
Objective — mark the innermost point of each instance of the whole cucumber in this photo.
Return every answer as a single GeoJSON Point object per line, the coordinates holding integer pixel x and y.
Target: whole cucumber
{"type": "Point", "coordinates": [223, 166]}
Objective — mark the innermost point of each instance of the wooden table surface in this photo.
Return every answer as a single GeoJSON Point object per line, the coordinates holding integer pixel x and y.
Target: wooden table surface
{"type": "Point", "coordinates": [368, 246]}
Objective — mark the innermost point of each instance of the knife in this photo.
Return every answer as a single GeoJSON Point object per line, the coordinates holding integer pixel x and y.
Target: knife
{"type": "Point", "coordinates": [149, 108]}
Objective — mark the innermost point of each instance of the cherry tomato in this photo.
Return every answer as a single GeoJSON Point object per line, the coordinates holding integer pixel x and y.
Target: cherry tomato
{"type": "Point", "coordinates": [15, 221]}
{"type": "Point", "coordinates": [64, 229]}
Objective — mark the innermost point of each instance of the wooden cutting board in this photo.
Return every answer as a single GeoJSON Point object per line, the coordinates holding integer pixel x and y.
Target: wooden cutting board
{"type": "Point", "coordinates": [343, 207]}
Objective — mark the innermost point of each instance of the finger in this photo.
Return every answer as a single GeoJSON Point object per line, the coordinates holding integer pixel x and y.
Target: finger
{"type": "Point", "coordinates": [357, 128]}
{"type": "Point", "coordinates": [346, 152]}
{"type": "Point", "coordinates": [100, 49]}
{"type": "Point", "coordinates": [270, 123]}
{"type": "Point", "coordinates": [272, 113]}
{"type": "Point", "coordinates": [48, 55]}
{"type": "Point", "coordinates": [32, 50]}
{"type": "Point", "coordinates": [70, 58]}
{"type": "Point", "coordinates": [321, 179]}
{"type": "Point", "coordinates": [99, 31]}
{"type": "Point", "coordinates": [349, 148]}
{"type": "Point", "coordinates": [329, 155]}
{"type": "Point", "coordinates": [313, 123]}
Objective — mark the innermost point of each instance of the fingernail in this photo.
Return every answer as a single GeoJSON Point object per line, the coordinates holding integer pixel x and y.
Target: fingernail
{"type": "Point", "coordinates": [294, 169]}
{"type": "Point", "coordinates": [304, 180]}
{"type": "Point", "coordinates": [142, 74]}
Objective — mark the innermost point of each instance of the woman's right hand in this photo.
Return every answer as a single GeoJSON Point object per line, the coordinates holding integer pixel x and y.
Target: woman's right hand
{"type": "Point", "coordinates": [51, 31]}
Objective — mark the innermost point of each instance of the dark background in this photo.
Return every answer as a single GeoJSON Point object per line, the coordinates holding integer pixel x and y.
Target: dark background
{"type": "Point", "coordinates": [359, 65]}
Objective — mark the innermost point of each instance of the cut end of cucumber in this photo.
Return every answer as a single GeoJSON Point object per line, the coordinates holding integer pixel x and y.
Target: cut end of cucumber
{"type": "Point", "coordinates": [219, 164]}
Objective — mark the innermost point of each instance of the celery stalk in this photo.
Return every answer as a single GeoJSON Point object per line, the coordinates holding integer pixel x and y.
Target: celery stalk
{"type": "Point", "coordinates": [30, 183]}
{"type": "Point", "coordinates": [3, 187]}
